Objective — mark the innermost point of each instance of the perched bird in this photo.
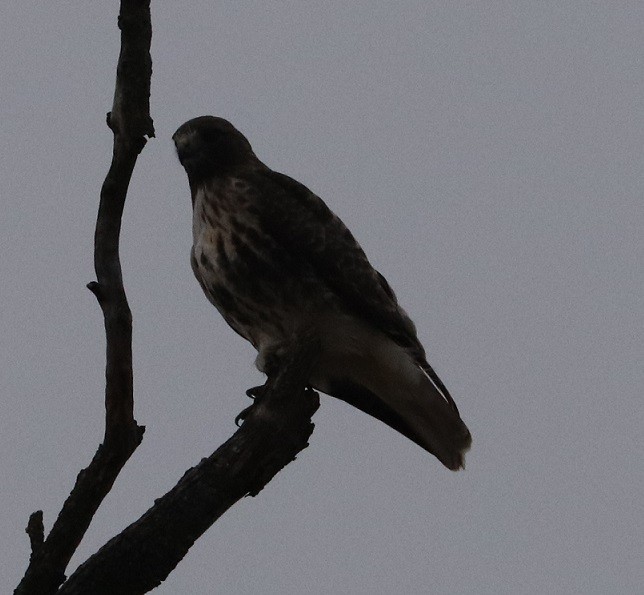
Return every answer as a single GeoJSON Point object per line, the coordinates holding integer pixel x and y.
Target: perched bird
{"type": "Point", "coordinates": [274, 260]}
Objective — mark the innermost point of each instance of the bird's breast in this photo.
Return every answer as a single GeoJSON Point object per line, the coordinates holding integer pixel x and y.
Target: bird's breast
{"type": "Point", "coordinates": [234, 262]}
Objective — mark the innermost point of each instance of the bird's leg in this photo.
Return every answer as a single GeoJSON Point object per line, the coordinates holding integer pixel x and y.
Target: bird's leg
{"type": "Point", "coordinates": [268, 361]}
{"type": "Point", "coordinates": [268, 358]}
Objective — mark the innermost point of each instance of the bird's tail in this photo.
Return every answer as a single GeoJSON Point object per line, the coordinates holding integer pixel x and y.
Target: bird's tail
{"type": "Point", "coordinates": [398, 392]}
{"type": "Point", "coordinates": [433, 422]}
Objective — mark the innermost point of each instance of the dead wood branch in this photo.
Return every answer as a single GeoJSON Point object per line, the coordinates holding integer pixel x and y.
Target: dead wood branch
{"type": "Point", "coordinates": [130, 122]}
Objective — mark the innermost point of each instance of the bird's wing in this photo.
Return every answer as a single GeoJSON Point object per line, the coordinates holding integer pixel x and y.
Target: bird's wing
{"type": "Point", "coordinates": [302, 223]}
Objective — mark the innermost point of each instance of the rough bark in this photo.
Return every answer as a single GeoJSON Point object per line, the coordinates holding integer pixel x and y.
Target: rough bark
{"type": "Point", "coordinates": [276, 428]}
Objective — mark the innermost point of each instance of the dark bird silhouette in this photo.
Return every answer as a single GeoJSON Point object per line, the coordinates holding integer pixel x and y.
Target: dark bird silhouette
{"type": "Point", "coordinates": [274, 260]}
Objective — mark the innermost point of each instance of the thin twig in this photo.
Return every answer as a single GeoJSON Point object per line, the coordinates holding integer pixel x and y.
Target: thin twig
{"type": "Point", "coordinates": [36, 531]}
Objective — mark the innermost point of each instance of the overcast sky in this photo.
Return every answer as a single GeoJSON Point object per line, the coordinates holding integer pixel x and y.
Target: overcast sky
{"type": "Point", "coordinates": [488, 157]}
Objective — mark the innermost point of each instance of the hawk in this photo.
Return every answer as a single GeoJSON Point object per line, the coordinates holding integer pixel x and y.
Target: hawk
{"type": "Point", "coordinates": [275, 260]}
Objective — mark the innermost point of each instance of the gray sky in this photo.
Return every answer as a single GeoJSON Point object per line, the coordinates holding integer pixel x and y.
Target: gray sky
{"type": "Point", "coordinates": [487, 155]}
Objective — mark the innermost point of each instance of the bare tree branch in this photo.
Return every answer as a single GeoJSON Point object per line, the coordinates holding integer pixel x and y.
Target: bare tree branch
{"type": "Point", "coordinates": [275, 430]}
{"type": "Point", "coordinates": [130, 122]}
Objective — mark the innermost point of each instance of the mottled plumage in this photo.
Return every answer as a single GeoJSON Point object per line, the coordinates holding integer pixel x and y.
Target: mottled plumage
{"type": "Point", "coordinates": [274, 260]}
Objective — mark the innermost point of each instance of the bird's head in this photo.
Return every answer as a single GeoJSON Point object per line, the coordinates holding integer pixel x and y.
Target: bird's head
{"type": "Point", "coordinates": [208, 146]}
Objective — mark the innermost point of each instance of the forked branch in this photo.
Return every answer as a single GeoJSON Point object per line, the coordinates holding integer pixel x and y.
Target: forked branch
{"type": "Point", "coordinates": [275, 430]}
{"type": "Point", "coordinates": [130, 122]}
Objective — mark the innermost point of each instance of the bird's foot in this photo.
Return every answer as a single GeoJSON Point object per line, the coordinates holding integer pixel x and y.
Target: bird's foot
{"type": "Point", "coordinates": [242, 415]}
{"type": "Point", "coordinates": [255, 393]}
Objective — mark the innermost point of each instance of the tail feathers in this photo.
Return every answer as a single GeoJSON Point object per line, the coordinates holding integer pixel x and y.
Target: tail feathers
{"type": "Point", "coordinates": [422, 414]}
{"type": "Point", "coordinates": [439, 430]}
{"type": "Point", "coordinates": [438, 422]}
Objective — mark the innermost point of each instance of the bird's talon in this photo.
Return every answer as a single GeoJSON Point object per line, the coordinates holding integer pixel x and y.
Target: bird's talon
{"type": "Point", "coordinates": [240, 418]}
{"type": "Point", "coordinates": [255, 392]}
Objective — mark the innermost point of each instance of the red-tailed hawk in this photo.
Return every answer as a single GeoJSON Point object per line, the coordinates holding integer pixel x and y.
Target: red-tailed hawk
{"type": "Point", "coordinates": [273, 259]}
